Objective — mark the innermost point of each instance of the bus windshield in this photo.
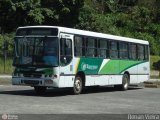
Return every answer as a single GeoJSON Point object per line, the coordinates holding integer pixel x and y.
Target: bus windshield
{"type": "Point", "coordinates": [36, 51]}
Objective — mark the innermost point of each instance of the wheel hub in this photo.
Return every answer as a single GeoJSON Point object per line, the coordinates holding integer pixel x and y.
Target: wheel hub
{"type": "Point", "coordinates": [78, 85]}
{"type": "Point", "coordinates": [125, 82]}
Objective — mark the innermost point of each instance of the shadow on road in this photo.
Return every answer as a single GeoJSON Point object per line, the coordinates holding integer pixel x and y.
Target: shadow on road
{"type": "Point", "coordinates": [63, 92]}
{"type": "Point", "coordinates": [98, 89]}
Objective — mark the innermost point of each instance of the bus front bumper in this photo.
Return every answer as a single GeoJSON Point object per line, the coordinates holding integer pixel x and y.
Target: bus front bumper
{"type": "Point", "coordinates": [48, 82]}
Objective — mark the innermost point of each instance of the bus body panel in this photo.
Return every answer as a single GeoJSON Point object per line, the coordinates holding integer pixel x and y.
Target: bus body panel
{"type": "Point", "coordinates": [143, 72]}
{"type": "Point", "coordinates": [98, 71]}
{"type": "Point", "coordinates": [66, 81]}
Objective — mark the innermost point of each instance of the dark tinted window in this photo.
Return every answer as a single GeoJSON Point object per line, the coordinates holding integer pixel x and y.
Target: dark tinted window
{"type": "Point", "coordinates": [103, 48]}
{"type": "Point", "coordinates": [79, 46]}
{"type": "Point", "coordinates": [123, 50]}
{"type": "Point", "coordinates": [141, 54]}
{"type": "Point", "coordinates": [65, 51]}
{"type": "Point", "coordinates": [114, 49]}
{"type": "Point", "coordinates": [146, 53]}
{"type": "Point", "coordinates": [133, 51]}
{"type": "Point", "coordinates": [37, 31]}
{"type": "Point", "coordinates": [90, 47]}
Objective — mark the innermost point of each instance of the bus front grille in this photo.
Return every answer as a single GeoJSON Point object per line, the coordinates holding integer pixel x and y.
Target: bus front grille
{"type": "Point", "coordinates": [32, 75]}
{"type": "Point", "coordinates": [31, 82]}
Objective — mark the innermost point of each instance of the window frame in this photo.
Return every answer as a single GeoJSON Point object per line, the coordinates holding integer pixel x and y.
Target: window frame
{"type": "Point", "coordinates": [97, 48]}
{"type": "Point", "coordinates": [139, 52]}
{"type": "Point", "coordinates": [146, 53]}
{"type": "Point", "coordinates": [81, 47]}
{"type": "Point", "coordinates": [106, 48]}
{"type": "Point", "coordinates": [131, 52]}
{"type": "Point", "coordinates": [123, 51]}
{"type": "Point", "coordinates": [64, 55]}
{"type": "Point", "coordinates": [94, 47]}
{"type": "Point", "coordinates": [110, 50]}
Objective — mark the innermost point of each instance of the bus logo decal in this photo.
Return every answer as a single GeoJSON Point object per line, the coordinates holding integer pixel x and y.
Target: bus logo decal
{"type": "Point", "coordinates": [89, 67]}
{"type": "Point", "coordinates": [84, 66]}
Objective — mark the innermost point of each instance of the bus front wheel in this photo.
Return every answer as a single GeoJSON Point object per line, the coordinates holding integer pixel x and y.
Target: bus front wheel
{"type": "Point", "coordinates": [77, 87]}
{"type": "Point", "coordinates": [40, 90]}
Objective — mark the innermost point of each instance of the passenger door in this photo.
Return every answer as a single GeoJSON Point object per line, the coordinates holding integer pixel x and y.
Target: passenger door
{"type": "Point", "coordinates": [66, 57]}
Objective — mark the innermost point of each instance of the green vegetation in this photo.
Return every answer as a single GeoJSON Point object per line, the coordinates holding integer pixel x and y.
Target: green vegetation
{"type": "Point", "coordinates": [153, 59]}
{"type": "Point", "coordinates": [131, 18]}
{"type": "Point", "coordinates": [8, 66]}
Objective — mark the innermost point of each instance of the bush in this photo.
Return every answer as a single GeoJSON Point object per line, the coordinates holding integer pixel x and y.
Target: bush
{"type": "Point", "coordinates": [156, 65]}
{"type": "Point", "coordinates": [153, 60]}
{"type": "Point", "coordinates": [10, 39]}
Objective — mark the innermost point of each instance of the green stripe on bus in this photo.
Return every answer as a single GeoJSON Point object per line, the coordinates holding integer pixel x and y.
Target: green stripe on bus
{"type": "Point", "coordinates": [93, 65]}
{"type": "Point", "coordinates": [124, 65]}
{"type": "Point", "coordinates": [118, 66]}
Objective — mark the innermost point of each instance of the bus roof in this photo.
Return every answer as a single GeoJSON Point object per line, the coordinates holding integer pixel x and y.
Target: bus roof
{"type": "Point", "coordinates": [92, 34]}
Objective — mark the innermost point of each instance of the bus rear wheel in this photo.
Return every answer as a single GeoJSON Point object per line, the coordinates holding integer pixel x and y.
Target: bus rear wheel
{"type": "Point", "coordinates": [77, 87]}
{"type": "Point", "coordinates": [125, 83]}
{"type": "Point", "coordinates": [40, 90]}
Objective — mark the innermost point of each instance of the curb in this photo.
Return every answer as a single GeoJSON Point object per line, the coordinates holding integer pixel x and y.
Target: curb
{"type": "Point", "coordinates": [152, 83]}
{"type": "Point", "coordinates": [152, 86]}
{"type": "Point", "coordinates": [5, 76]}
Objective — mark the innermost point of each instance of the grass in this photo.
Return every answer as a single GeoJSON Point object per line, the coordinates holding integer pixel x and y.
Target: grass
{"type": "Point", "coordinates": [152, 60]}
{"type": "Point", "coordinates": [154, 77]}
{"type": "Point", "coordinates": [8, 66]}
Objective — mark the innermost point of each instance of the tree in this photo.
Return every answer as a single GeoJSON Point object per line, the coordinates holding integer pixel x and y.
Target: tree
{"type": "Point", "coordinates": [16, 13]}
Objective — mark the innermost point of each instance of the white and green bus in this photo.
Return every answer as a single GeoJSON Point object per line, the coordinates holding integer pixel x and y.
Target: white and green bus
{"type": "Point", "coordinates": [59, 57]}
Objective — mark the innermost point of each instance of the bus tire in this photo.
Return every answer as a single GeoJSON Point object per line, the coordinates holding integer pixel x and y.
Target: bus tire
{"type": "Point", "coordinates": [40, 90]}
{"type": "Point", "coordinates": [125, 83]}
{"type": "Point", "coordinates": [77, 87]}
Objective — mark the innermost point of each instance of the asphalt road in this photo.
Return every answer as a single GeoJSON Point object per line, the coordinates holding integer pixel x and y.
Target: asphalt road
{"type": "Point", "coordinates": [23, 100]}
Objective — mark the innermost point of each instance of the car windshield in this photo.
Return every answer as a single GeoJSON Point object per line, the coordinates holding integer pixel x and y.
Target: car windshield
{"type": "Point", "coordinates": [36, 51]}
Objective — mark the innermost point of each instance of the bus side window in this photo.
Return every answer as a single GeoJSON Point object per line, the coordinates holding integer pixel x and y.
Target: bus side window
{"type": "Point", "coordinates": [123, 50]}
{"type": "Point", "coordinates": [114, 49]}
{"type": "Point", "coordinates": [78, 46]}
{"type": "Point", "coordinates": [132, 51]}
{"type": "Point", "coordinates": [90, 47]}
{"type": "Point", "coordinates": [103, 48]}
{"type": "Point", "coordinates": [146, 53]}
{"type": "Point", "coordinates": [141, 51]}
{"type": "Point", "coordinates": [65, 51]}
